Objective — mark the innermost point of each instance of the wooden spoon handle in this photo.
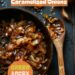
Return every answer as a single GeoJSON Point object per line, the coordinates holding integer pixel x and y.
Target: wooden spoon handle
{"type": "Point", "coordinates": [61, 62]}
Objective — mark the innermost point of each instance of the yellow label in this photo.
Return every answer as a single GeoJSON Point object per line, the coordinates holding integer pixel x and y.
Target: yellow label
{"type": "Point", "coordinates": [20, 68]}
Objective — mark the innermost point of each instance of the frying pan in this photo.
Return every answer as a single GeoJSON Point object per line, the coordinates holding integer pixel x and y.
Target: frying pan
{"type": "Point", "coordinates": [20, 14]}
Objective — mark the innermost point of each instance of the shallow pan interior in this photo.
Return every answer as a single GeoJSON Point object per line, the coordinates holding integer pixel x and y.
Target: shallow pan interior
{"type": "Point", "coordinates": [20, 14]}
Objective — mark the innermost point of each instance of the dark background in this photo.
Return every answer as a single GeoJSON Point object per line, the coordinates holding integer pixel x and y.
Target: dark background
{"type": "Point", "coordinates": [68, 44]}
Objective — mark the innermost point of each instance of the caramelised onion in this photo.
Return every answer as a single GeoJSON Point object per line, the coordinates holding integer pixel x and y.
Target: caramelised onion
{"type": "Point", "coordinates": [21, 40]}
{"type": "Point", "coordinates": [55, 26]}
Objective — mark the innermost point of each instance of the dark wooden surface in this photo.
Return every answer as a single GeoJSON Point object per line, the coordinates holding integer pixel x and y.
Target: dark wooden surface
{"type": "Point", "coordinates": [73, 17]}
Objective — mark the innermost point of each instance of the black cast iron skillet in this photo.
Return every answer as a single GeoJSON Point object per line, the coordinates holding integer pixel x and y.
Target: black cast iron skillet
{"type": "Point", "coordinates": [20, 14]}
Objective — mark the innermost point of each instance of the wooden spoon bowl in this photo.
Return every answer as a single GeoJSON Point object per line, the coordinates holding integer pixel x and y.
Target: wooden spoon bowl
{"type": "Point", "coordinates": [55, 28]}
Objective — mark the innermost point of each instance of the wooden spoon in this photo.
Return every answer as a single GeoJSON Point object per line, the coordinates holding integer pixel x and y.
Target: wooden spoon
{"type": "Point", "coordinates": [58, 42]}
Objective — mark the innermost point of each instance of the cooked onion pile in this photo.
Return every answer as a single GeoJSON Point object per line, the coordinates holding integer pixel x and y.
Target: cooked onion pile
{"type": "Point", "coordinates": [55, 26]}
{"type": "Point", "coordinates": [21, 40]}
